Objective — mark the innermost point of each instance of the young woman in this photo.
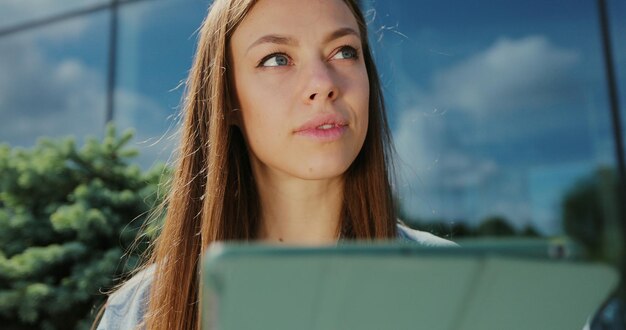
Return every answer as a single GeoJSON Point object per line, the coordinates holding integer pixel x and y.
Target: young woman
{"type": "Point", "coordinates": [284, 140]}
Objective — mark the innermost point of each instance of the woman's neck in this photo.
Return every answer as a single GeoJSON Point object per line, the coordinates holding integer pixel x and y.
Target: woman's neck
{"type": "Point", "coordinates": [299, 212]}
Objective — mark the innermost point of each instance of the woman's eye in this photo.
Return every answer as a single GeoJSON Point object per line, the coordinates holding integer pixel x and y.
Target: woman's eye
{"type": "Point", "coordinates": [346, 52]}
{"type": "Point", "coordinates": [275, 60]}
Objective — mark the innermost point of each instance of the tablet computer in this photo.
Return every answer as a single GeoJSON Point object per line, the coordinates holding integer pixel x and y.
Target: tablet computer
{"type": "Point", "coordinates": [482, 285]}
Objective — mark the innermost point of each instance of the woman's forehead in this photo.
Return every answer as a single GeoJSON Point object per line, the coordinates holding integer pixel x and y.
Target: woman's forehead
{"type": "Point", "coordinates": [294, 18]}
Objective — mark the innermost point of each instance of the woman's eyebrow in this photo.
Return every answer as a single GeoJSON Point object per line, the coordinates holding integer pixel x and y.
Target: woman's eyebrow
{"type": "Point", "coordinates": [274, 39]}
{"type": "Point", "coordinates": [341, 33]}
{"type": "Point", "coordinates": [290, 41]}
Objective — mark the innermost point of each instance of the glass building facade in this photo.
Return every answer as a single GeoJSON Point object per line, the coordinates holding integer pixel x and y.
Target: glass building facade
{"type": "Point", "coordinates": [502, 112]}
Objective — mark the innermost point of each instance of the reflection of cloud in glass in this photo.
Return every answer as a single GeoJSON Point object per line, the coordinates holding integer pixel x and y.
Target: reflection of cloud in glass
{"type": "Point", "coordinates": [153, 142]}
{"type": "Point", "coordinates": [437, 179]}
{"type": "Point", "coordinates": [511, 74]}
{"type": "Point", "coordinates": [443, 170]}
{"type": "Point", "coordinates": [14, 12]}
{"type": "Point", "coordinates": [419, 141]}
{"type": "Point", "coordinates": [48, 91]}
{"type": "Point", "coordinates": [44, 97]}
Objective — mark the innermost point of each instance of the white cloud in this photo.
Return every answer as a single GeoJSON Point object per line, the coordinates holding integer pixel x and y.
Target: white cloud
{"type": "Point", "coordinates": [511, 74]}
{"type": "Point", "coordinates": [439, 176]}
{"type": "Point", "coordinates": [430, 171]}
{"type": "Point", "coordinates": [463, 170]}
{"type": "Point", "coordinates": [40, 96]}
{"type": "Point", "coordinates": [59, 95]}
{"type": "Point", "coordinates": [44, 98]}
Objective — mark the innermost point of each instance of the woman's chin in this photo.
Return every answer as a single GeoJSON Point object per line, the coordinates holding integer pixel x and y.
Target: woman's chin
{"type": "Point", "coordinates": [305, 167]}
{"type": "Point", "coordinates": [323, 171]}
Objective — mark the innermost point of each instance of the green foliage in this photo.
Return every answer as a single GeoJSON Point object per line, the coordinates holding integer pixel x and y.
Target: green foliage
{"type": "Point", "coordinates": [496, 226]}
{"type": "Point", "coordinates": [592, 211]}
{"type": "Point", "coordinates": [492, 226]}
{"type": "Point", "coordinates": [67, 216]}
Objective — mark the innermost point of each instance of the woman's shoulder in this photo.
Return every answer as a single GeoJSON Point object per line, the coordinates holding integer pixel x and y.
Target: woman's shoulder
{"type": "Point", "coordinates": [126, 307]}
{"type": "Point", "coordinates": [407, 234]}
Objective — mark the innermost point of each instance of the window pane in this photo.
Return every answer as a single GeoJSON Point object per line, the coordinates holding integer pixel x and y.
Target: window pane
{"type": "Point", "coordinates": [500, 114]}
{"type": "Point", "coordinates": [53, 80]}
{"type": "Point", "coordinates": [16, 12]}
{"type": "Point", "coordinates": [617, 22]}
{"type": "Point", "coordinates": [155, 49]}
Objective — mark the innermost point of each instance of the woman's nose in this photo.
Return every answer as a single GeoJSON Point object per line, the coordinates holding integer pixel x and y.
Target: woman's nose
{"type": "Point", "coordinates": [320, 84]}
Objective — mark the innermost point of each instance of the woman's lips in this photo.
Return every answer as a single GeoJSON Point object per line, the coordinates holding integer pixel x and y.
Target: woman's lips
{"type": "Point", "coordinates": [326, 128]}
{"type": "Point", "coordinates": [331, 133]}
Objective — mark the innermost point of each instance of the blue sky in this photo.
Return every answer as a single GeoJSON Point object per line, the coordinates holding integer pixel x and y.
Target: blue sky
{"type": "Point", "coordinates": [497, 108]}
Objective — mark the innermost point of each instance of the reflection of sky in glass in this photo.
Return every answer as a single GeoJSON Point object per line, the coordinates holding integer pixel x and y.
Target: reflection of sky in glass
{"type": "Point", "coordinates": [156, 43]}
{"type": "Point", "coordinates": [53, 80]}
{"type": "Point", "coordinates": [497, 108]}
{"type": "Point", "coordinates": [14, 12]}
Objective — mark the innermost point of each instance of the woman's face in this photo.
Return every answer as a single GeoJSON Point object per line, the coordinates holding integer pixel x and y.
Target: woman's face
{"type": "Point", "coordinates": [302, 87]}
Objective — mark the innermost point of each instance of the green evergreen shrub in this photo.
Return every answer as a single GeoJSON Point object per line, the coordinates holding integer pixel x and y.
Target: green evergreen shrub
{"type": "Point", "coordinates": [68, 217]}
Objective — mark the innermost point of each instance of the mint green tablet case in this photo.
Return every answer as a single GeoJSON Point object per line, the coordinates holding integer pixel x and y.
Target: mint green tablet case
{"type": "Point", "coordinates": [395, 286]}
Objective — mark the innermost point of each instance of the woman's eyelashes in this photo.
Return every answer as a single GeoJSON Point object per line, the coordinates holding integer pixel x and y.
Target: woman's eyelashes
{"type": "Point", "coordinates": [277, 59]}
{"type": "Point", "coordinates": [346, 52]}
{"type": "Point", "coordinates": [274, 59]}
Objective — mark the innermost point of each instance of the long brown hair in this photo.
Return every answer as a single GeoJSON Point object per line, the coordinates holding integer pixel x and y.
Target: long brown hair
{"type": "Point", "coordinates": [213, 196]}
